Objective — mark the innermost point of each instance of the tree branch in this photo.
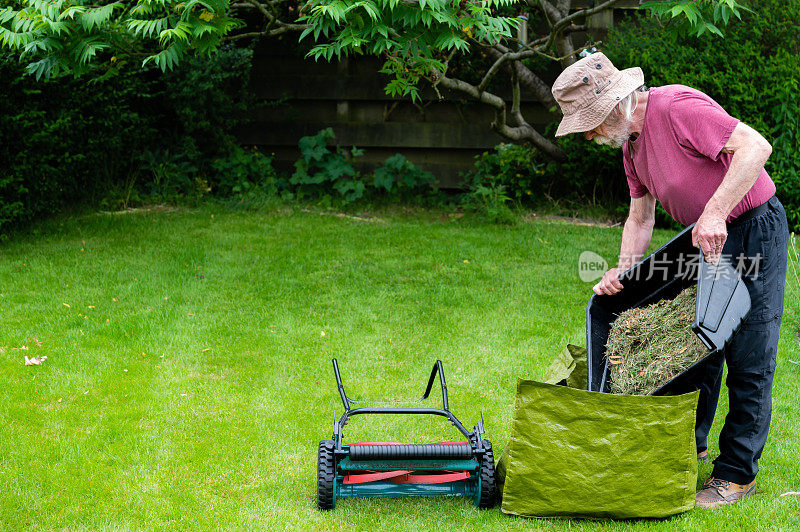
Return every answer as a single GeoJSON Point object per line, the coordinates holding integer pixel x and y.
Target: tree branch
{"type": "Point", "coordinates": [563, 7]}
{"type": "Point", "coordinates": [260, 7]}
{"type": "Point", "coordinates": [285, 28]}
{"type": "Point", "coordinates": [514, 93]}
{"type": "Point", "coordinates": [563, 43]}
{"type": "Point", "coordinates": [519, 133]}
{"type": "Point", "coordinates": [493, 70]}
{"type": "Point", "coordinates": [272, 20]}
{"type": "Point", "coordinates": [551, 13]}
{"type": "Point", "coordinates": [584, 13]}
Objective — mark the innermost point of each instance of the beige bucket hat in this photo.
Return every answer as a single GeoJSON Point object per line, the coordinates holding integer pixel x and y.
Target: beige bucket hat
{"type": "Point", "coordinates": [589, 89]}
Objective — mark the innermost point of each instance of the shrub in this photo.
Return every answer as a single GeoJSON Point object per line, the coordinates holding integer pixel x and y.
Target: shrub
{"type": "Point", "coordinates": [124, 135]}
{"type": "Point", "coordinates": [517, 168]}
{"type": "Point", "coordinates": [322, 170]}
{"type": "Point", "coordinates": [243, 170]}
{"type": "Point", "coordinates": [592, 174]}
{"type": "Point", "coordinates": [399, 178]}
{"type": "Point", "coordinates": [783, 164]}
{"type": "Point", "coordinates": [490, 202]}
{"type": "Point", "coordinates": [67, 142]}
{"type": "Point", "coordinates": [209, 97]}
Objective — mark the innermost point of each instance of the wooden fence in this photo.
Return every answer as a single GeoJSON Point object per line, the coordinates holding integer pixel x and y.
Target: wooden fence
{"type": "Point", "coordinates": [299, 97]}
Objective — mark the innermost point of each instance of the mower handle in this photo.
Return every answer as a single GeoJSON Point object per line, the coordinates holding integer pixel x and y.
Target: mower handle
{"type": "Point", "coordinates": [474, 437]}
{"type": "Point", "coordinates": [437, 368]}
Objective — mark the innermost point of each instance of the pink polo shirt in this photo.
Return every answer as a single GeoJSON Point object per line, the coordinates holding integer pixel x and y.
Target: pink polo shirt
{"type": "Point", "coordinates": [678, 155]}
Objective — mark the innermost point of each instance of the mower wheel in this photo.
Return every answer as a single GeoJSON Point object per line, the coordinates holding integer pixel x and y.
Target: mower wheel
{"type": "Point", "coordinates": [326, 474]}
{"type": "Point", "coordinates": [487, 495]}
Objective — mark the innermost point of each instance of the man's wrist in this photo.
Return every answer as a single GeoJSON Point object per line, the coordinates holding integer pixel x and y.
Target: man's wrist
{"type": "Point", "coordinates": [716, 209]}
{"type": "Point", "coordinates": [626, 261]}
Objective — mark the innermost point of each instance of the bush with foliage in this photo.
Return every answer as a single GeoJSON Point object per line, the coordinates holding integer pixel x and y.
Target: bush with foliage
{"type": "Point", "coordinates": [592, 175]}
{"type": "Point", "coordinates": [518, 168]}
{"type": "Point", "coordinates": [243, 170]}
{"type": "Point", "coordinates": [489, 201]}
{"type": "Point", "coordinates": [399, 178]}
{"type": "Point", "coordinates": [124, 136]}
{"type": "Point", "coordinates": [322, 170]}
{"type": "Point", "coordinates": [68, 142]}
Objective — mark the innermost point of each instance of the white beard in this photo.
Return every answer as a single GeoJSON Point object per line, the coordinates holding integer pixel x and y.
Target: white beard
{"type": "Point", "coordinates": [615, 142]}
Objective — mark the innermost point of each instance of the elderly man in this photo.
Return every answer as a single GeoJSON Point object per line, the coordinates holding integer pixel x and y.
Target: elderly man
{"type": "Point", "coordinates": [681, 148]}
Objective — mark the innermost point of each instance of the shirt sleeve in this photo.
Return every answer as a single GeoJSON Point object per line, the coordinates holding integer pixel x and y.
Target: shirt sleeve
{"type": "Point", "coordinates": [636, 187]}
{"type": "Point", "coordinates": [701, 125]}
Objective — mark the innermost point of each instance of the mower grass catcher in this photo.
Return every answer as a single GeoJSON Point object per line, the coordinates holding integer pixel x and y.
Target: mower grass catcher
{"type": "Point", "coordinates": [386, 469]}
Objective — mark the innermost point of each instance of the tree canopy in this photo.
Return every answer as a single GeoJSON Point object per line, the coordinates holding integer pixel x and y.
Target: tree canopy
{"type": "Point", "coordinates": [418, 39]}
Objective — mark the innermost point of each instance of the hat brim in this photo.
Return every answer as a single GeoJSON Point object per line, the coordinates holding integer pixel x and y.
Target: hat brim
{"type": "Point", "coordinates": [591, 116]}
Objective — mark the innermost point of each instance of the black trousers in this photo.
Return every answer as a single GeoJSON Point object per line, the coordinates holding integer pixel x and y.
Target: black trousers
{"type": "Point", "coordinates": [758, 248]}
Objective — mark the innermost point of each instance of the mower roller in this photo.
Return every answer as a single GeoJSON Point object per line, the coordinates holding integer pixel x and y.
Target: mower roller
{"type": "Point", "coordinates": [388, 469]}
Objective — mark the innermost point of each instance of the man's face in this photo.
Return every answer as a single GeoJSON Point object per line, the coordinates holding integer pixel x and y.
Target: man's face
{"type": "Point", "coordinates": [614, 136]}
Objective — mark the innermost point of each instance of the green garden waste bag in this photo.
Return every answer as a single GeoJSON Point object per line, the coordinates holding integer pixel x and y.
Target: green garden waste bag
{"type": "Point", "coordinates": [569, 368]}
{"type": "Point", "coordinates": [575, 453]}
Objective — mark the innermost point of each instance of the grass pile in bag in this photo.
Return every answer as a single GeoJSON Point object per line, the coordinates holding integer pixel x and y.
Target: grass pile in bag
{"type": "Point", "coordinates": [650, 345]}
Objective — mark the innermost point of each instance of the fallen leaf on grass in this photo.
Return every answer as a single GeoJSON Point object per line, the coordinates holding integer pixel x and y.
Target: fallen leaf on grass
{"type": "Point", "coordinates": [790, 493]}
{"type": "Point", "coordinates": [66, 305]}
{"type": "Point", "coordinates": [35, 361]}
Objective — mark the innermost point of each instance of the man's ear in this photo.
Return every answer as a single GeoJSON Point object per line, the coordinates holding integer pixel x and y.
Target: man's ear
{"type": "Point", "coordinates": [614, 117]}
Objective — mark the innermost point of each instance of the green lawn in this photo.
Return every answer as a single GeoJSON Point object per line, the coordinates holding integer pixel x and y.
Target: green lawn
{"type": "Point", "coordinates": [188, 378]}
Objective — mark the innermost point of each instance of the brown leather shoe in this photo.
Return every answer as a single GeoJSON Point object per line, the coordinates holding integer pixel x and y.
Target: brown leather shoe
{"type": "Point", "coordinates": [703, 457]}
{"type": "Point", "coordinates": [718, 492]}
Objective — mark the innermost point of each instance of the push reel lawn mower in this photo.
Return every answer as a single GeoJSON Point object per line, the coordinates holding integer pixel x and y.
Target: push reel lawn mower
{"type": "Point", "coordinates": [389, 469]}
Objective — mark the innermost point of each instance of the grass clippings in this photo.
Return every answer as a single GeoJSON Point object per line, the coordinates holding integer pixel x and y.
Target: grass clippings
{"type": "Point", "coordinates": [650, 345]}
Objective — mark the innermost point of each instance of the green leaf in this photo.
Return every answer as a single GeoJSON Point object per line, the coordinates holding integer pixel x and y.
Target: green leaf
{"type": "Point", "coordinates": [87, 49]}
{"type": "Point", "coordinates": [692, 14]}
{"type": "Point", "coordinates": [97, 17]}
{"type": "Point", "coordinates": [336, 167]}
{"type": "Point", "coordinates": [167, 58]}
{"type": "Point", "coordinates": [44, 68]}
{"type": "Point", "coordinates": [383, 179]}
{"type": "Point", "coordinates": [180, 32]}
{"type": "Point", "coordinates": [306, 32]}
{"type": "Point", "coordinates": [713, 29]}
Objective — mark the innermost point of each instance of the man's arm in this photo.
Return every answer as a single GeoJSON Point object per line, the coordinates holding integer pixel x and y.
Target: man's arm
{"type": "Point", "coordinates": [750, 151]}
{"type": "Point", "coordinates": [636, 236]}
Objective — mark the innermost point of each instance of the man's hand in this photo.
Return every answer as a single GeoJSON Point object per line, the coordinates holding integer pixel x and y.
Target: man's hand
{"type": "Point", "coordinates": [609, 284]}
{"type": "Point", "coordinates": [709, 234]}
